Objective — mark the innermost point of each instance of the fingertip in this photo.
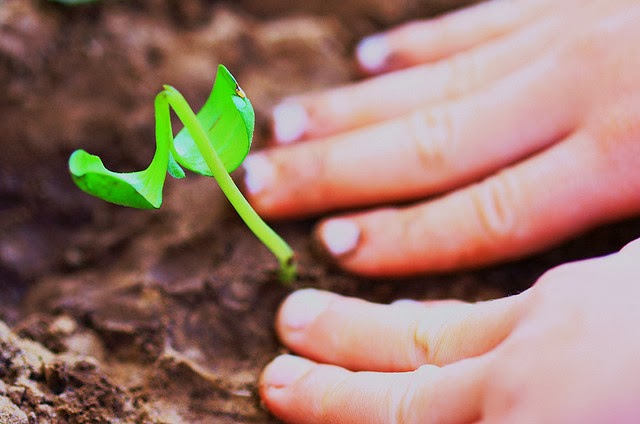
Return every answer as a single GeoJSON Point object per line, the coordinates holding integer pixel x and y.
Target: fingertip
{"type": "Point", "coordinates": [359, 243]}
{"type": "Point", "coordinates": [302, 308]}
{"type": "Point", "coordinates": [276, 378]}
{"type": "Point", "coordinates": [259, 174]}
{"type": "Point", "coordinates": [284, 371]}
{"type": "Point", "coordinates": [337, 238]}
{"type": "Point", "coordinates": [372, 53]}
{"type": "Point", "coordinates": [290, 122]}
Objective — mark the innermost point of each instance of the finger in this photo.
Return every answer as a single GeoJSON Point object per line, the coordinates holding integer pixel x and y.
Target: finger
{"type": "Point", "coordinates": [300, 391]}
{"type": "Point", "coordinates": [359, 335]}
{"type": "Point", "coordinates": [391, 95]}
{"type": "Point", "coordinates": [560, 192]}
{"type": "Point", "coordinates": [429, 151]}
{"type": "Point", "coordinates": [632, 247]}
{"type": "Point", "coordinates": [434, 39]}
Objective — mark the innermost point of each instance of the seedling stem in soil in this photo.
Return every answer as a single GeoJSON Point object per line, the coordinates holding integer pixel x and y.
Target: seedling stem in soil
{"type": "Point", "coordinates": [213, 142]}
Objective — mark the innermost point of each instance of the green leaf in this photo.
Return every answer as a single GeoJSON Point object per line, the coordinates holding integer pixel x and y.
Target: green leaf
{"type": "Point", "coordinates": [142, 189]}
{"type": "Point", "coordinates": [228, 119]}
{"type": "Point", "coordinates": [214, 142]}
{"type": "Point", "coordinates": [174, 169]}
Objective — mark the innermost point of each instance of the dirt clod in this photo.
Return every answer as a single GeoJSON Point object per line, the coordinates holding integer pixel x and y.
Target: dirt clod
{"type": "Point", "coordinates": [10, 413]}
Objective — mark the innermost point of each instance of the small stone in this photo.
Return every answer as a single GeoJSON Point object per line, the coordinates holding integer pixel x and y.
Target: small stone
{"type": "Point", "coordinates": [64, 325]}
{"type": "Point", "coordinates": [10, 413]}
{"type": "Point", "coordinates": [45, 411]}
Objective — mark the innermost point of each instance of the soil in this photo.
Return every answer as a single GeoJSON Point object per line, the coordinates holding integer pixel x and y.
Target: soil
{"type": "Point", "coordinates": [117, 315]}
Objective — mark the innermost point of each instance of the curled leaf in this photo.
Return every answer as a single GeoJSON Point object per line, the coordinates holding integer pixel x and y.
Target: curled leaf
{"type": "Point", "coordinates": [142, 189]}
{"type": "Point", "coordinates": [228, 119]}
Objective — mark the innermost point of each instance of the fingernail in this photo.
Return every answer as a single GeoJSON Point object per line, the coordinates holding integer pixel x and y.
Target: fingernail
{"type": "Point", "coordinates": [285, 370]}
{"type": "Point", "coordinates": [373, 52]}
{"type": "Point", "coordinates": [290, 121]}
{"type": "Point", "coordinates": [407, 305]}
{"type": "Point", "coordinates": [339, 236]}
{"type": "Point", "coordinates": [258, 173]}
{"type": "Point", "coordinates": [407, 302]}
{"type": "Point", "coordinates": [303, 307]}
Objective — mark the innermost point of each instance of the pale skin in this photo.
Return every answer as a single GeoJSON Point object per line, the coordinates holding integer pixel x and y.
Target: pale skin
{"type": "Point", "coordinates": [565, 351]}
{"type": "Point", "coordinates": [524, 123]}
{"type": "Point", "coordinates": [509, 126]}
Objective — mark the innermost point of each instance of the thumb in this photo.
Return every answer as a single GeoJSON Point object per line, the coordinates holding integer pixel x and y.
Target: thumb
{"type": "Point", "coordinates": [301, 391]}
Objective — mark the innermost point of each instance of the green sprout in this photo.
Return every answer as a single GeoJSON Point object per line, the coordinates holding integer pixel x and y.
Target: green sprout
{"type": "Point", "coordinates": [213, 142]}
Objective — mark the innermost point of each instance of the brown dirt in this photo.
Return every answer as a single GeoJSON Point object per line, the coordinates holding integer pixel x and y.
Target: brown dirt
{"type": "Point", "coordinates": [118, 315]}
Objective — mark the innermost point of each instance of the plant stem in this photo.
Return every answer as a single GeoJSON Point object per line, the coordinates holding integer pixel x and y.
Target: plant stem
{"type": "Point", "coordinates": [265, 234]}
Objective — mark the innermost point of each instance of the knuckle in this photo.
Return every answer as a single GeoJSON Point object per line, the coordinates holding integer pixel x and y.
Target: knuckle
{"type": "Point", "coordinates": [615, 141]}
{"type": "Point", "coordinates": [330, 408]}
{"type": "Point", "coordinates": [408, 402]}
{"type": "Point", "coordinates": [589, 58]}
{"type": "Point", "coordinates": [581, 48]}
{"type": "Point", "coordinates": [420, 341]}
{"type": "Point", "coordinates": [588, 46]}
{"type": "Point", "coordinates": [432, 333]}
{"type": "Point", "coordinates": [404, 405]}
{"type": "Point", "coordinates": [494, 203]}
{"type": "Point", "coordinates": [432, 133]}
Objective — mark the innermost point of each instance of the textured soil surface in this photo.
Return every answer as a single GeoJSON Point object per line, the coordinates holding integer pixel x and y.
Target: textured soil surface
{"type": "Point", "coordinates": [116, 315]}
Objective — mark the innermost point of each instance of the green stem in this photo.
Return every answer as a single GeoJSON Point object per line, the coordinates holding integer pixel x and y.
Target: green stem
{"type": "Point", "coordinates": [164, 137]}
{"type": "Point", "coordinates": [270, 238]}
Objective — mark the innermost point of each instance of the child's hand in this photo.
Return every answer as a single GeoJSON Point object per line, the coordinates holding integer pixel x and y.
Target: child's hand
{"type": "Point", "coordinates": [524, 114]}
{"type": "Point", "coordinates": [565, 351]}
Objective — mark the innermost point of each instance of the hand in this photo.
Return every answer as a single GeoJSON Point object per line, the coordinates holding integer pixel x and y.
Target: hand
{"type": "Point", "coordinates": [565, 351]}
{"type": "Point", "coordinates": [518, 120]}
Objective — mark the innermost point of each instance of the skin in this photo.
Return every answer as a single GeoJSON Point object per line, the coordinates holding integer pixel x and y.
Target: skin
{"type": "Point", "coordinates": [564, 351]}
{"type": "Point", "coordinates": [511, 125]}
{"type": "Point", "coordinates": [518, 121]}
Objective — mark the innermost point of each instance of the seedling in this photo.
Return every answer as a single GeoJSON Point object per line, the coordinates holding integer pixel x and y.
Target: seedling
{"type": "Point", "coordinates": [213, 142]}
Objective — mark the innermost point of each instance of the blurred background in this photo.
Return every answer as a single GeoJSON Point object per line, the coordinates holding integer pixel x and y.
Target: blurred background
{"type": "Point", "coordinates": [166, 316]}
